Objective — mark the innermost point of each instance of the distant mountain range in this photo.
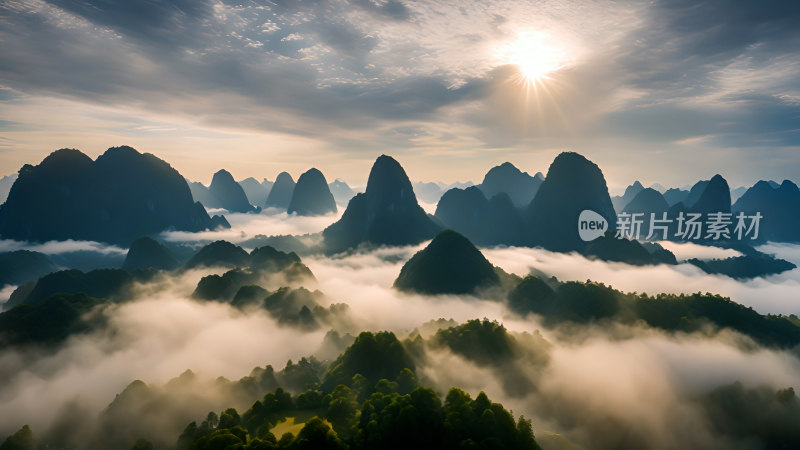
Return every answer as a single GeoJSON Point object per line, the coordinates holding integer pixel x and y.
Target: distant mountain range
{"type": "Point", "coordinates": [124, 195]}
{"type": "Point", "coordinates": [312, 199]}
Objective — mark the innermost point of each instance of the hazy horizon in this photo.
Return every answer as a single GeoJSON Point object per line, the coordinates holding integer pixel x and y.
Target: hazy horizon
{"type": "Point", "coordinates": [359, 181]}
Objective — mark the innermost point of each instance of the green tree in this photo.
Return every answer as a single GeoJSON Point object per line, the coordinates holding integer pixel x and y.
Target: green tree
{"type": "Point", "coordinates": [229, 418]}
{"type": "Point", "coordinates": [21, 440]}
{"type": "Point", "coordinates": [142, 444]}
{"type": "Point", "coordinates": [317, 434]}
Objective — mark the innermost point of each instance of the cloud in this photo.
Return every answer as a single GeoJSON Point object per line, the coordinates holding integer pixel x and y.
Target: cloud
{"type": "Point", "coordinates": [59, 247]}
{"type": "Point", "coordinates": [246, 226]}
{"type": "Point", "coordinates": [774, 294]}
{"type": "Point", "coordinates": [597, 385]}
{"type": "Point", "coordinates": [155, 337]}
{"type": "Point", "coordinates": [688, 250]}
{"type": "Point", "coordinates": [663, 80]}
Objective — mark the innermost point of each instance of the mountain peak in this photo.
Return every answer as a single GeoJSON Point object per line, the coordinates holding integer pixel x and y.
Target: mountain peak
{"type": "Point", "coordinates": [229, 193]}
{"type": "Point", "coordinates": [311, 195]}
{"type": "Point", "coordinates": [120, 196]}
{"type": "Point", "coordinates": [506, 177]}
{"type": "Point", "coordinates": [62, 156]}
{"type": "Point", "coordinates": [222, 176]}
{"type": "Point", "coordinates": [122, 150]}
{"type": "Point", "coordinates": [281, 193]}
{"type": "Point", "coordinates": [573, 184]}
{"type": "Point", "coordinates": [450, 264]}
{"type": "Point", "coordinates": [146, 252]}
{"type": "Point", "coordinates": [387, 213]}
{"type": "Point", "coordinates": [787, 185]}
{"type": "Point", "coordinates": [715, 197]}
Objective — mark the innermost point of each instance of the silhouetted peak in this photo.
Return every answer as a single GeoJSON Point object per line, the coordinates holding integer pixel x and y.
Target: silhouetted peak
{"type": "Point", "coordinates": [450, 264]}
{"type": "Point", "coordinates": [718, 179]}
{"type": "Point", "coordinates": [228, 193]}
{"type": "Point", "coordinates": [65, 156]}
{"type": "Point", "coordinates": [281, 193]}
{"type": "Point", "coordinates": [388, 180]}
{"type": "Point", "coordinates": [633, 189]}
{"type": "Point", "coordinates": [219, 253]}
{"type": "Point", "coordinates": [311, 195]}
{"type": "Point", "coordinates": [311, 174]}
{"type": "Point", "coordinates": [146, 252]}
{"type": "Point", "coordinates": [503, 169]}
{"type": "Point", "coordinates": [788, 186]}
{"type": "Point", "coordinates": [763, 185]}
{"type": "Point", "coordinates": [649, 200]}
{"type": "Point", "coordinates": [507, 178]}
{"type": "Point", "coordinates": [387, 213]}
{"type": "Point", "coordinates": [284, 177]}
{"type": "Point", "coordinates": [573, 184]}
{"type": "Point", "coordinates": [715, 197]}
{"type": "Point", "coordinates": [121, 195]}
{"type": "Point", "coordinates": [222, 176]}
{"type": "Point", "coordinates": [123, 151]}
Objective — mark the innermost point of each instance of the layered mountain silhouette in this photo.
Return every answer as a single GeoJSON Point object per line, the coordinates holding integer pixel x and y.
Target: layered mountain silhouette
{"type": "Point", "coordinates": [695, 192]}
{"type": "Point", "coordinates": [281, 193]}
{"type": "Point", "coordinates": [226, 254]}
{"type": "Point", "coordinates": [228, 193]}
{"type": "Point", "coordinates": [620, 202]}
{"type": "Point", "coordinates": [219, 253]}
{"type": "Point", "coordinates": [630, 251]}
{"type": "Point", "coordinates": [573, 184]}
{"type": "Point", "coordinates": [311, 195]}
{"type": "Point", "coordinates": [714, 197]}
{"type": "Point", "coordinates": [147, 253]}
{"type": "Point", "coordinates": [387, 213]}
{"type": "Point", "coordinates": [200, 193]}
{"type": "Point", "coordinates": [450, 264]}
{"type": "Point", "coordinates": [428, 192]}
{"type": "Point", "coordinates": [95, 283]}
{"type": "Point", "coordinates": [5, 186]}
{"type": "Point", "coordinates": [737, 193]}
{"type": "Point", "coordinates": [256, 191]}
{"type": "Point", "coordinates": [22, 266]}
{"type": "Point", "coordinates": [464, 210]}
{"type": "Point", "coordinates": [647, 202]}
{"type": "Point", "coordinates": [484, 222]}
{"type": "Point", "coordinates": [674, 196]}
{"type": "Point", "coordinates": [779, 206]}
{"type": "Point", "coordinates": [341, 192]}
{"type": "Point", "coordinates": [706, 196]}
{"type": "Point", "coordinates": [120, 196]}
{"type": "Point", "coordinates": [519, 186]}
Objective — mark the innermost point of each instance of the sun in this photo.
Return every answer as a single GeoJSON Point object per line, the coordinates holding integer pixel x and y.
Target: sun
{"type": "Point", "coordinates": [536, 56]}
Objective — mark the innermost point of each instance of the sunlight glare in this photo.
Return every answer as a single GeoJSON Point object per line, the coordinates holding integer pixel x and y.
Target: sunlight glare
{"type": "Point", "coordinates": [536, 56]}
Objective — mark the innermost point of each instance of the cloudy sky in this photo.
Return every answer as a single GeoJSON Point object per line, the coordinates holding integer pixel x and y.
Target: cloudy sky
{"type": "Point", "coordinates": [663, 91]}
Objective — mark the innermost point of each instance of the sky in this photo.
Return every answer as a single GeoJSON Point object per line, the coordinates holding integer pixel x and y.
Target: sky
{"type": "Point", "coordinates": [664, 91]}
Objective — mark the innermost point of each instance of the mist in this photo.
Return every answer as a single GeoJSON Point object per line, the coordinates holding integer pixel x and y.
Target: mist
{"type": "Point", "coordinates": [155, 337]}
{"type": "Point", "coordinates": [59, 247]}
{"type": "Point", "coordinates": [775, 294]}
{"type": "Point", "coordinates": [270, 222]}
{"type": "Point", "coordinates": [582, 385]}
